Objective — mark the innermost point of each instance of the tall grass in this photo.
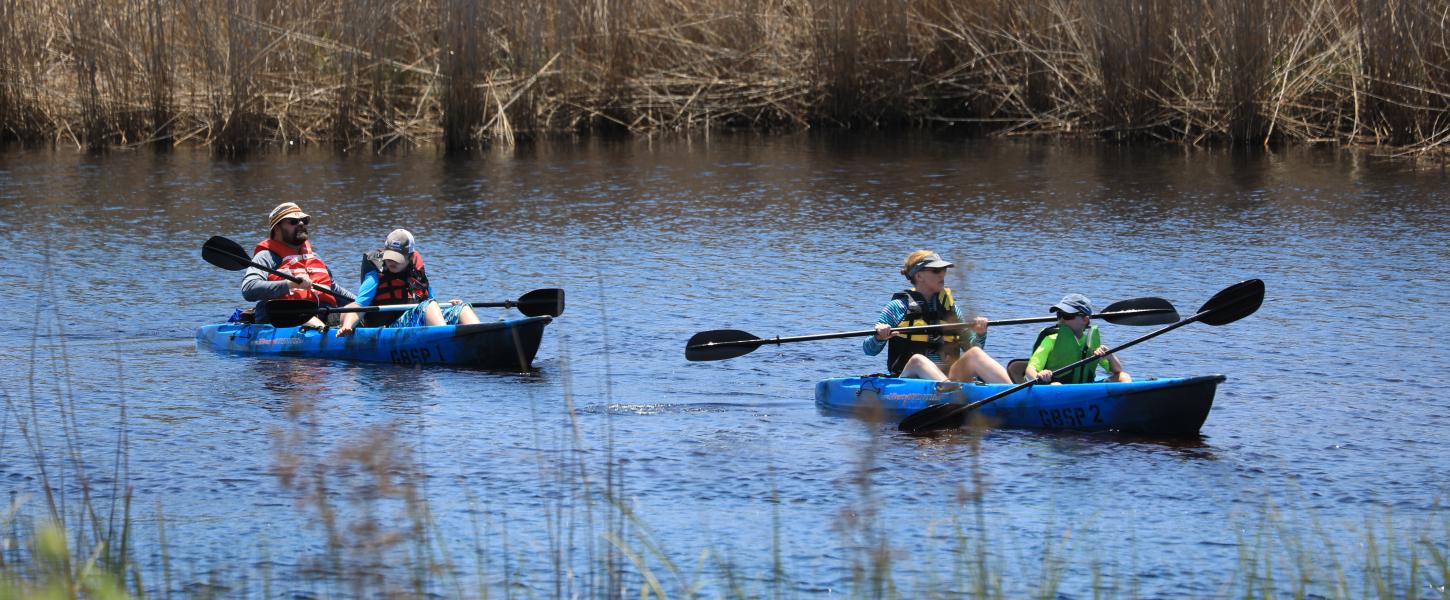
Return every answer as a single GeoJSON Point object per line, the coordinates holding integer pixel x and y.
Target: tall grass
{"type": "Point", "coordinates": [20, 52]}
{"type": "Point", "coordinates": [241, 74]}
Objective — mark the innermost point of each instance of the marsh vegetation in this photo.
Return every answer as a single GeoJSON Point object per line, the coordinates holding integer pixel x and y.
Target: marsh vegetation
{"type": "Point", "coordinates": [240, 74]}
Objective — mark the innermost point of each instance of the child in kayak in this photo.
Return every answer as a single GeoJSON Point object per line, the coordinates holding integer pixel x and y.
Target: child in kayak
{"type": "Point", "coordinates": [394, 274]}
{"type": "Point", "coordinates": [954, 354]}
{"type": "Point", "coordinates": [1072, 339]}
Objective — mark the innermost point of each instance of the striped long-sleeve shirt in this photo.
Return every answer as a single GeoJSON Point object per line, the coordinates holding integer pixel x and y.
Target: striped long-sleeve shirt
{"type": "Point", "coordinates": [895, 311]}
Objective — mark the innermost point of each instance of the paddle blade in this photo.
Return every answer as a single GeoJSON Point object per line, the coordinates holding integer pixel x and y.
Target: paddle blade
{"type": "Point", "coordinates": [1140, 312]}
{"type": "Point", "coordinates": [547, 301]}
{"type": "Point", "coordinates": [731, 343]}
{"type": "Point", "coordinates": [225, 253]}
{"type": "Point", "coordinates": [1233, 303]}
{"type": "Point", "coordinates": [934, 418]}
{"type": "Point", "coordinates": [289, 313]}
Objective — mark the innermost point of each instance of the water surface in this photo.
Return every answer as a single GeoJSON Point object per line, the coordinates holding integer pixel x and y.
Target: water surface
{"type": "Point", "coordinates": [1331, 423]}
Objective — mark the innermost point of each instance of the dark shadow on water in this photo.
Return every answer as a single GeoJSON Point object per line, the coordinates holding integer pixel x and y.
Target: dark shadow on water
{"type": "Point", "coordinates": [1190, 447]}
{"type": "Point", "coordinates": [1193, 447]}
{"type": "Point", "coordinates": [646, 409]}
{"type": "Point", "coordinates": [290, 380]}
{"type": "Point", "coordinates": [385, 373]}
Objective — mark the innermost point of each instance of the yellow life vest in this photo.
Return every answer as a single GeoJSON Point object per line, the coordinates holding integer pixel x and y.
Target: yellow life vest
{"type": "Point", "coordinates": [943, 344]}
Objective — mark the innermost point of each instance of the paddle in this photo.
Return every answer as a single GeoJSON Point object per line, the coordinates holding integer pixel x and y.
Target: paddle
{"type": "Point", "coordinates": [229, 255]}
{"type": "Point", "coordinates": [1233, 303]}
{"type": "Point", "coordinates": [291, 313]}
{"type": "Point", "coordinates": [721, 344]}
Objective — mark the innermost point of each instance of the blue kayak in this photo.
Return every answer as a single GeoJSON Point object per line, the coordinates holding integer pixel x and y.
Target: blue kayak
{"type": "Point", "coordinates": [504, 345]}
{"type": "Point", "coordinates": [1160, 407]}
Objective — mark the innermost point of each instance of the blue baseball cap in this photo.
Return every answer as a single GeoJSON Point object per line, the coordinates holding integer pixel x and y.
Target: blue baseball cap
{"type": "Point", "coordinates": [1073, 303]}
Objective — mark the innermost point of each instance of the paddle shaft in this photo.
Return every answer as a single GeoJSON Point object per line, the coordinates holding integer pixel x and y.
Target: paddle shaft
{"type": "Point", "coordinates": [287, 276]}
{"type": "Point", "coordinates": [1069, 368]}
{"type": "Point", "coordinates": [908, 330]}
{"type": "Point", "coordinates": [403, 307]}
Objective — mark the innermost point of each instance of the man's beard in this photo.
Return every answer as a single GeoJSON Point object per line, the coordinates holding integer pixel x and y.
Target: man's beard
{"type": "Point", "coordinates": [298, 237]}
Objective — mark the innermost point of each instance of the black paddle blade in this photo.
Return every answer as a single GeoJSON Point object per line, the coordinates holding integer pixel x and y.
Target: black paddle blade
{"type": "Point", "coordinates": [934, 418]}
{"type": "Point", "coordinates": [547, 301]}
{"type": "Point", "coordinates": [1145, 311]}
{"type": "Point", "coordinates": [1233, 303]}
{"type": "Point", "coordinates": [702, 346]}
{"type": "Point", "coordinates": [290, 313]}
{"type": "Point", "coordinates": [225, 253]}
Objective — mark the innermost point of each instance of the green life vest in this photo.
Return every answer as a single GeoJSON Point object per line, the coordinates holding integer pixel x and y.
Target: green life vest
{"type": "Point", "coordinates": [1070, 349]}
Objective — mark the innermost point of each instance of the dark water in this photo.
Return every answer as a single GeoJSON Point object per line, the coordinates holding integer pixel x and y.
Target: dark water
{"type": "Point", "coordinates": [1330, 429]}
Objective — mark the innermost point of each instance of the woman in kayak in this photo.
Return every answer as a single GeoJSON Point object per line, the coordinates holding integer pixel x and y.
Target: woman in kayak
{"type": "Point", "coordinates": [1070, 340]}
{"type": "Point", "coordinates": [954, 354]}
{"type": "Point", "coordinates": [394, 274]}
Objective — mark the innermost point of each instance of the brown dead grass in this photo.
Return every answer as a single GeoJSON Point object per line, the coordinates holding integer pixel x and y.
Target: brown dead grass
{"type": "Point", "coordinates": [240, 74]}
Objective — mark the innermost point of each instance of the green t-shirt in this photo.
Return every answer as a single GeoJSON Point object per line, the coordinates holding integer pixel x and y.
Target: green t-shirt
{"type": "Point", "coordinates": [1038, 361]}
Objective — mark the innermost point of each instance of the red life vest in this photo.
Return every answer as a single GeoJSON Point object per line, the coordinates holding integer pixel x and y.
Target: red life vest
{"type": "Point", "coordinates": [408, 287]}
{"type": "Point", "coordinates": [296, 262]}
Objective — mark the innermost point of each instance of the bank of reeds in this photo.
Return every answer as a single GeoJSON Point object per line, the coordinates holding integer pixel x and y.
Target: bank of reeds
{"type": "Point", "coordinates": [240, 74]}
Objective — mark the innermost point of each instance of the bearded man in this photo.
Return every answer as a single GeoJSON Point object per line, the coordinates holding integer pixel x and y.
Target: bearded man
{"type": "Point", "coordinates": [288, 250]}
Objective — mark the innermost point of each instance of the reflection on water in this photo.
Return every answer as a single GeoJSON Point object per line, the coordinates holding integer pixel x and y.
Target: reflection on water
{"type": "Point", "coordinates": [1189, 447]}
{"type": "Point", "coordinates": [1325, 416]}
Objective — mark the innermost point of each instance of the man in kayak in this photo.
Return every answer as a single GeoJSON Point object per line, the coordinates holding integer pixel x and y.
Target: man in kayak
{"type": "Point", "coordinates": [394, 274]}
{"type": "Point", "coordinates": [287, 249]}
{"type": "Point", "coordinates": [1072, 339]}
{"type": "Point", "coordinates": [954, 354]}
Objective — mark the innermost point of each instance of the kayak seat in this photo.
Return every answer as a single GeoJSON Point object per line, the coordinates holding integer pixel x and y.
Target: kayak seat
{"type": "Point", "coordinates": [1017, 370]}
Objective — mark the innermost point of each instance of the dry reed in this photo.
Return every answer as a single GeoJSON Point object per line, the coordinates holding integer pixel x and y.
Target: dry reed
{"type": "Point", "coordinates": [241, 74]}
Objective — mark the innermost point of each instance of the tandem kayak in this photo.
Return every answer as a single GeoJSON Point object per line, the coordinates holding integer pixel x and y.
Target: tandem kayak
{"type": "Point", "coordinates": [504, 345]}
{"type": "Point", "coordinates": [1160, 407]}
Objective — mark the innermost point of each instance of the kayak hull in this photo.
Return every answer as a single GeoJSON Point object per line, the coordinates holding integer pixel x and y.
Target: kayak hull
{"type": "Point", "coordinates": [501, 345]}
{"type": "Point", "coordinates": [1158, 407]}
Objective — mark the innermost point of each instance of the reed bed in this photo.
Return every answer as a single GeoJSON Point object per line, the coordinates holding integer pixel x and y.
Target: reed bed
{"type": "Point", "coordinates": [243, 74]}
